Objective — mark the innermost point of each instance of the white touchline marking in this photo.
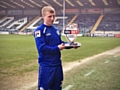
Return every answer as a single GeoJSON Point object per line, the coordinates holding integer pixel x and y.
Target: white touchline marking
{"type": "Point", "coordinates": [116, 55]}
{"type": "Point", "coordinates": [89, 73]}
{"type": "Point", "coordinates": [107, 61]}
{"type": "Point", "coordinates": [68, 87]}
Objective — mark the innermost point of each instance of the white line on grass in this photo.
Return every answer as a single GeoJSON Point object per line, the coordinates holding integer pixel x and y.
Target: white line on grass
{"type": "Point", "coordinates": [68, 87]}
{"type": "Point", "coordinates": [107, 61]}
{"type": "Point", "coordinates": [116, 56]}
{"type": "Point", "coordinates": [89, 73]}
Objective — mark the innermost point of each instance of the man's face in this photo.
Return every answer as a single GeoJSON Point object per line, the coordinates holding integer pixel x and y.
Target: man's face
{"type": "Point", "coordinates": [48, 18]}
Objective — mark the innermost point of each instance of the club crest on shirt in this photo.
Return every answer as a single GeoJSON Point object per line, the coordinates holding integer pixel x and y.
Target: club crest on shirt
{"type": "Point", "coordinates": [37, 33]}
{"type": "Point", "coordinates": [41, 88]}
{"type": "Point", "coordinates": [58, 32]}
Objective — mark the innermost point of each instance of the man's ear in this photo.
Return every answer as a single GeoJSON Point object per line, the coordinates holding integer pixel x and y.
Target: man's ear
{"type": "Point", "coordinates": [42, 17]}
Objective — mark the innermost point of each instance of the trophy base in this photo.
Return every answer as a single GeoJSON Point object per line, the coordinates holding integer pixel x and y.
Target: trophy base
{"type": "Point", "coordinates": [72, 45]}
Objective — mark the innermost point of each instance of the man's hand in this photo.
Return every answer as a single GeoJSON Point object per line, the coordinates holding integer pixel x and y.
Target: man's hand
{"type": "Point", "coordinates": [61, 46]}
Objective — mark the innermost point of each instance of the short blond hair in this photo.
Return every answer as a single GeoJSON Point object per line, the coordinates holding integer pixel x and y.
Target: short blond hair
{"type": "Point", "coordinates": [47, 9]}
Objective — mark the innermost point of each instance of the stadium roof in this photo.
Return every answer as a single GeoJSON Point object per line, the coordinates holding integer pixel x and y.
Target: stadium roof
{"type": "Point", "coordinates": [58, 4]}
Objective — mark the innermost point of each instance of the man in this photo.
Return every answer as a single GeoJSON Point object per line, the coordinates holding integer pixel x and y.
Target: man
{"type": "Point", "coordinates": [49, 44]}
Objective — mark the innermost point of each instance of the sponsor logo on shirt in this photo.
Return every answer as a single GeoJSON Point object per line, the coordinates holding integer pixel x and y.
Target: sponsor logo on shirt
{"type": "Point", "coordinates": [48, 34]}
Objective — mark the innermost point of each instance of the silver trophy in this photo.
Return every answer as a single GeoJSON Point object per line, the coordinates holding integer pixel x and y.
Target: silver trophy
{"type": "Point", "coordinates": [71, 32]}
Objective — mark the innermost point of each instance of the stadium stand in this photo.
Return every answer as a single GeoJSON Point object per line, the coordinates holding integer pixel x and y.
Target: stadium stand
{"type": "Point", "coordinates": [86, 22]}
{"type": "Point", "coordinates": [92, 16]}
{"type": "Point", "coordinates": [110, 23]}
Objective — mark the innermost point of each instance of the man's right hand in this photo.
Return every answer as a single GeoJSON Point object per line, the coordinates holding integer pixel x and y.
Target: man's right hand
{"type": "Point", "coordinates": [61, 46]}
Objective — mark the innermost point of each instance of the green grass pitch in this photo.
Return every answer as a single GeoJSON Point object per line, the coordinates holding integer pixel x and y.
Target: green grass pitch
{"type": "Point", "coordinates": [99, 74]}
{"type": "Point", "coordinates": [18, 53]}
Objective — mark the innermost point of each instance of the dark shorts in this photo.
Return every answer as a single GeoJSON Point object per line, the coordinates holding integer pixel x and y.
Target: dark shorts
{"type": "Point", "coordinates": [50, 78]}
